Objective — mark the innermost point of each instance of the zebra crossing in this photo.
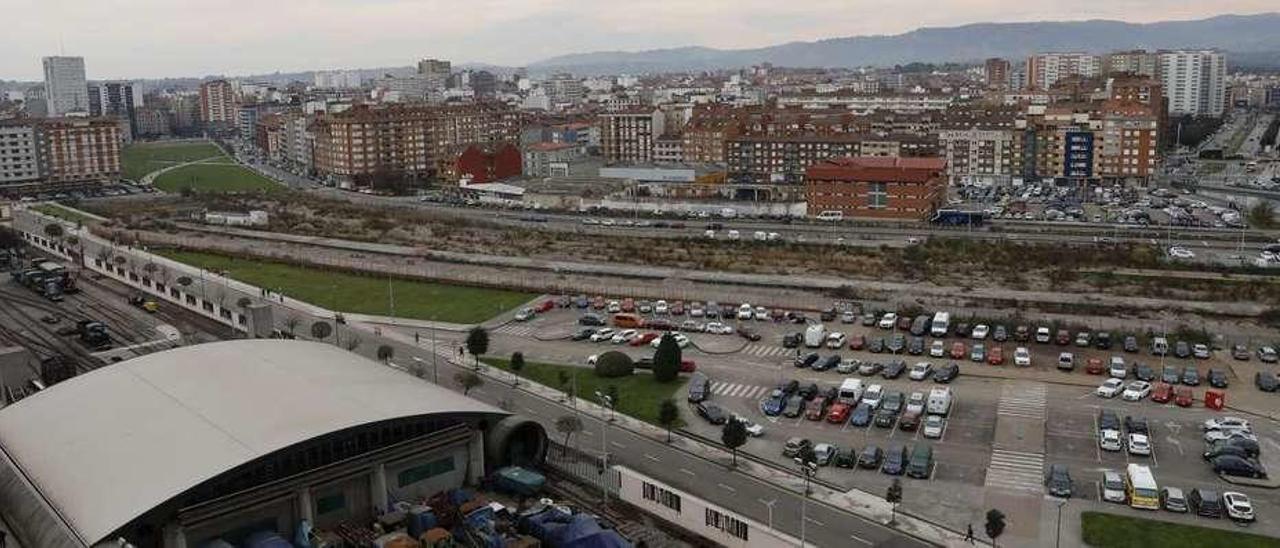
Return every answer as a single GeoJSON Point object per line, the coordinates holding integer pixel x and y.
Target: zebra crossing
{"type": "Point", "coordinates": [1016, 470]}
{"type": "Point", "coordinates": [738, 390]}
{"type": "Point", "coordinates": [1025, 400]}
{"type": "Point", "coordinates": [517, 329]}
{"type": "Point", "coordinates": [767, 351]}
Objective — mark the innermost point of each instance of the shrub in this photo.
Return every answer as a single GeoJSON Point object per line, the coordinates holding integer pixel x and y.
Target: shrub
{"type": "Point", "coordinates": [614, 364]}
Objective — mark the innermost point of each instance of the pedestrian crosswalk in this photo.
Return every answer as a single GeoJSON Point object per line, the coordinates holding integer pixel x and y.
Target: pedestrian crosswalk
{"type": "Point", "coordinates": [767, 350]}
{"type": "Point", "coordinates": [1025, 400]}
{"type": "Point", "coordinates": [738, 390]}
{"type": "Point", "coordinates": [1016, 470]}
{"type": "Point", "coordinates": [517, 329]}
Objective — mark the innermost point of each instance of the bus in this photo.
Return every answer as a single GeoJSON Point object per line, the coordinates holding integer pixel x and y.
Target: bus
{"type": "Point", "coordinates": [1251, 166]}
{"type": "Point", "coordinates": [1141, 487]}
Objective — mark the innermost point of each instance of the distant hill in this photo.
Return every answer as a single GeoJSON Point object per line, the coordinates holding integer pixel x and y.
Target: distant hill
{"type": "Point", "coordinates": [1255, 37]}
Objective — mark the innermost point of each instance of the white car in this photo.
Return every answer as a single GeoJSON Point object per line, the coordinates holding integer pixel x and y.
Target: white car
{"type": "Point", "coordinates": [745, 312]}
{"type": "Point", "coordinates": [614, 307]}
{"type": "Point", "coordinates": [848, 317]}
{"type": "Point", "coordinates": [980, 332]}
{"type": "Point", "coordinates": [1136, 390]}
{"type": "Point", "coordinates": [624, 336]}
{"type": "Point", "coordinates": [1022, 357]}
{"type": "Point", "coordinates": [1181, 253]}
{"type": "Point", "coordinates": [1110, 440]}
{"type": "Point", "coordinates": [848, 365]}
{"type": "Point", "coordinates": [873, 395]}
{"type": "Point", "coordinates": [695, 310]}
{"type": "Point", "coordinates": [1200, 351]}
{"type": "Point", "coordinates": [1216, 435]}
{"type": "Point", "coordinates": [753, 429]}
{"type": "Point", "coordinates": [1218, 423]}
{"type": "Point", "coordinates": [524, 315]}
{"type": "Point", "coordinates": [888, 320]}
{"type": "Point", "coordinates": [1139, 444]}
{"type": "Point", "coordinates": [1117, 369]}
{"type": "Point", "coordinates": [938, 349]}
{"type": "Point", "coordinates": [1238, 506]}
{"type": "Point", "coordinates": [1110, 388]}
{"type": "Point", "coordinates": [836, 340]}
{"type": "Point", "coordinates": [915, 403]}
{"type": "Point", "coordinates": [1113, 487]}
{"type": "Point", "coordinates": [602, 335]}
{"type": "Point", "coordinates": [933, 426]}
{"type": "Point", "coordinates": [681, 340]}
{"type": "Point", "coordinates": [920, 371]}
{"type": "Point", "coordinates": [661, 307]}
{"type": "Point", "coordinates": [718, 328]}
{"type": "Point", "coordinates": [762, 313]}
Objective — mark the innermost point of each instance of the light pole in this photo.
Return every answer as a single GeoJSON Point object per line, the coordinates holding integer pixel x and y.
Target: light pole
{"type": "Point", "coordinates": [808, 469]}
{"type": "Point", "coordinates": [769, 504]}
{"type": "Point", "coordinates": [606, 401]}
{"type": "Point", "coordinates": [1058, 536]}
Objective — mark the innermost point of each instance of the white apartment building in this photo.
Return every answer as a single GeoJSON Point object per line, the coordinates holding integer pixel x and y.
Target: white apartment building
{"type": "Point", "coordinates": [1194, 81]}
{"type": "Point", "coordinates": [19, 154]}
{"type": "Point", "coordinates": [978, 156]}
{"type": "Point", "coordinates": [65, 87]}
{"type": "Point", "coordinates": [912, 102]}
{"type": "Point", "coordinates": [1045, 69]}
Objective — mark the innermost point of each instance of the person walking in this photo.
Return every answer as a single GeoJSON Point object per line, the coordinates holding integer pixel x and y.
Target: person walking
{"type": "Point", "coordinates": [968, 536]}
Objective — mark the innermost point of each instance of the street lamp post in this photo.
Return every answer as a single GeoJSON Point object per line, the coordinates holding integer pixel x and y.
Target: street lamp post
{"type": "Point", "coordinates": [769, 504]}
{"type": "Point", "coordinates": [1058, 535]}
{"type": "Point", "coordinates": [808, 469]}
{"type": "Point", "coordinates": [606, 401]}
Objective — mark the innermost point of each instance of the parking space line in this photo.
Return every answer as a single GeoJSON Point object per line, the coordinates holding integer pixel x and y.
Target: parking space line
{"type": "Point", "coordinates": [618, 445]}
{"type": "Point", "coordinates": [651, 457]}
{"type": "Point", "coordinates": [815, 522]}
{"type": "Point", "coordinates": [727, 488]}
{"type": "Point", "coordinates": [860, 539]}
{"type": "Point", "coordinates": [686, 471]}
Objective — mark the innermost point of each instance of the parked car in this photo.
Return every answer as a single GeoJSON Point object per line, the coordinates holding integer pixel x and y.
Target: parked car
{"type": "Point", "coordinates": [1136, 425]}
{"type": "Point", "coordinates": [870, 457]}
{"type": "Point", "coordinates": [1182, 350]}
{"type": "Point", "coordinates": [713, 413]}
{"type": "Point", "coordinates": [996, 356]}
{"type": "Point", "coordinates": [876, 345]}
{"type": "Point", "coordinates": [861, 415]}
{"type": "Point", "coordinates": [1138, 444]}
{"type": "Point", "coordinates": [1206, 503]}
{"type": "Point", "coordinates": [1110, 388]}
{"type": "Point", "coordinates": [915, 346]}
{"type": "Point", "coordinates": [794, 407]}
{"type": "Point", "coordinates": [1268, 354]}
{"type": "Point", "coordinates": [839, 413]}
{"type": "Point", "coordinates": [773, 405]}
{"type": "Point", "coordinates": [699, 388]}
{"type": "Point", "coordinates": [1266, 381]}
{"type": "Point", "coordinates": [1191, 376]}
{"type": "Point", "coordinates": [980, 332]}
{"type": "Point", "coordinates": [999, 334]}
{"type": "Point", "coordinates": [1240, 352]}
{"type": "Point", "coordinates": [867, 369]}
{"type": "Point", "coordinates": [1137, 390]}
{"type": "Point", "coordinates": [979, 353]}
{"type": "Point", "coordinates": [946, 373]}
{"type": "Point", "coordinates": [920, 465]}
{"type": "Point", "coordinates": [1058, 480]}
{"type": "Point", "coordinates": [1238, 506]}
{"type": "Point", "coordinates": [895, 460]}
{"type": "Point", "coordinates": [1172, 499]}
{"type": "Point", "coordinates": [857, 342]}
{"type": "Point", "coordinates": [794, 446]}
{"type": "Point", "coordinates": [1183, 396]}
{"type": "Point", "coordinates": [1217, 378]}
{"type": "Point", "coordinates": [748, 333]}
{"type": "Point", "coordinates": [957, 351]}
{"type": "Point", "coordinates": [1144, 372]}
{"type": "Point", "coordinates": [1022, 357]}
{"type": "Point", "coordinates": [934, 425]}
{"type": "Point", "coordinates": [893, 369]}
{"type": "Point", "coordinates": [1083, 339]}
{"type": "Point", "coordinates": [1200, 351]}
{"type": "Point", "coordinates": [896, 343]}
{"type": "Point", "coordinates": [1109, 440]}
{"type": "Point", "coordinates": [937, 349]}
{"type": "Point", "coordinates": [1116, 368]}
{"type": "Point", "coordinates": [1113, 489]}
{"type": "Point", "coordinates": [889, 320]}
{"type": "Point", "coordinates": [583, 335]}
{"type": "Point", "coordinates": [1225, 423]}
{"type": "Point", "coordinates": [1170, 375]}
{"type": "Point", "coordinates": [1043, 335]}
{"type": "Point", "coordinates": [1066, 361]}
{"type": "Point", "coordinates": [1102, 340]}
{"type": "Point", "coordinates": [1022, 333]}
{"type": "Point", "coordinates": [1130, 344]}
{"type": "Point", "coordinates": [1162, 393]}
{"type": "Point", "coordinates": [920, 371]}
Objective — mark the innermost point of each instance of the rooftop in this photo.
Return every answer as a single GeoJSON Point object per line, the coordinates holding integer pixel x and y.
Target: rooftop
{"type": "Point", "coordinates": [877, 169]}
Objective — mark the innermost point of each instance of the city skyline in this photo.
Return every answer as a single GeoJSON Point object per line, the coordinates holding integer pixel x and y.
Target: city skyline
{"type": "Point", "coordinates": [395, 32]}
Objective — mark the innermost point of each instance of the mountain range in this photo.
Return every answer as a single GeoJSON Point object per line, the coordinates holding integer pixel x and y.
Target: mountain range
{"type": "Point", "coordinates": [1249, 39]}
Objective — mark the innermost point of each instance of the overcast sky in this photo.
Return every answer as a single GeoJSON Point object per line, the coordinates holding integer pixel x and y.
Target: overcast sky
{"type": "Point", "coordinates": [159, 38]}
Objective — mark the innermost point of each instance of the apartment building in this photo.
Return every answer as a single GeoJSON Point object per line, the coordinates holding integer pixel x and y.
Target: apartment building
{"type": "Point", "coordinates": [217, 103]}
{"type": "Point", "coordinates": [668, 149]}
{"type": "Point", "coordinates": [403, 140]}
{"type": "Point", "coordinates": [627, 137]}
{"type": "Point", "coordinates": [1130, 143]}
{"type": "Point", "coordinates": [1045, 69]}
{"type": "Point", "coordinates": [550, 159]}
{"type": "Point", "coordinates": [1136, 62]}
{"type": "Point", "coordinates": [80, 149]}
{"type": "Point", "coordinates": [1195, 82]}
{"type": "Point", "coordinates": [19, 154]}
{"type": "Point", "coordinates": [866, 103]}
{"type": "Point", "coordinates": [152, 121]}
{"type": "Point", "coordinates": [996, 71]}
{"type": "Point", "coordinates": [784, 158]}
{"type": "Point", "coordinates": [119, 99]}
{"type": "Point", "coordinates": [980, 155]}
{"type": "Point", "coordinates": [883, 188]}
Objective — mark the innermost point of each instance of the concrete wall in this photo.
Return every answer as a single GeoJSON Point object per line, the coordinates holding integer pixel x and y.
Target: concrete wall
{"type": "Point", "coordinates": [426, 487]}
{"type": "Point", "coordinates": [693, 515]}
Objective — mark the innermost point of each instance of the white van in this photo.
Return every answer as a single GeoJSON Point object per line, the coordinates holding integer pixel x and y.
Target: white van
{"type": "Point", "coordinates": [761, 236]}
{"type": "Point", "coordinates": [815, 335]}
{"type": "Point", "coordinates": [711, 234]}
{"type": "Point", "coordinates": [941, 323]}
{"type": "Point", "coordinates": [733, 235]}
{"type": "Point", "coordinates": [939, 401]}
{"type": "Point", "coordinates": [850, 391]}
{"type": "Point", "coordinates": [728, 213]}
{"type": "Point", "coordinates": [1159, 346]}
{"type": "Point", "coordinates": [832, 216]}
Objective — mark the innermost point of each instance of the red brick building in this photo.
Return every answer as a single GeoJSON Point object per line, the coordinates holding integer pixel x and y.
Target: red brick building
{"type": "Point", "coordinates": [885, 188]}
{"type": "Point", "coordinates": [486, 163]}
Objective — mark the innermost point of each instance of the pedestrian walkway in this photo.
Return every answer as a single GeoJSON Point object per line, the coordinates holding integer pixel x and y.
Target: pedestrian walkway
{"type": "Point", "coordinates": [767, 350]}
{"type": "Point", "coordinates": [737, 390]}
{"type": "Point", "coordinates": [1016, 470]}
{"type": "Point", "coordinates": [516, 329]}
{"type": "Point", "coordinates": [1025, 400]}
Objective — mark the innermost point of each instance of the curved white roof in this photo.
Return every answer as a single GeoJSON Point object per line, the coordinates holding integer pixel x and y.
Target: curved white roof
{"type": "Point", "coordinates": [108, 446]}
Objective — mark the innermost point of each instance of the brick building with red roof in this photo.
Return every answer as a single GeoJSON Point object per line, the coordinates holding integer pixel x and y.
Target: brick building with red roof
{"type": "Point", "coordinates": [879, 187]}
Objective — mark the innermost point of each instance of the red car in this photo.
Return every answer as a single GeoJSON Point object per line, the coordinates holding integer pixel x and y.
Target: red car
{"type": "Point", "coordinates": [838, 413]}
{"type": "Point", "coordinates": [996, 356]}
{"type": "Point", "coordinates": [677, 308]}
{"type": "Point", "coordinates": [546, 305]}
{"type": "Point", "coordinates": [598, 303]}
{"type": "Point", "coordinates": [1094, 366]}
{"type": "Point", "coordinates": [857, 342]}
{"type": "Point", "coordinates": [957, 351]}
{"type": "Point", "coordinates": [1161, 393]}
{"type": "Point", "coordinates": [1183, 396]}
{"type": "Point", "coordinates": [687, 366]}
{"type": "Point", "coordinates": [628, 305]}
{"type": "Point", "coordinates": [643, 339]}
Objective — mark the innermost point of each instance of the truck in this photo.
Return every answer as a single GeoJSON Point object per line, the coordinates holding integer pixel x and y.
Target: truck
{"type": "Point", "coordinates": [815, 335]}
{"type": "Point", "coordinates": [957, 217]}
{"type": "Point", "coordinates": [941, 324]}
{"type": "Point", "coordinates": [939, 401]}
{"type": "Point", "coordinates": [93, 334]}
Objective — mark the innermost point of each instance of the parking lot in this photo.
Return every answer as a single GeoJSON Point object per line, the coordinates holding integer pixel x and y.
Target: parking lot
{"type": "Point", "coordinates": [970, 460]}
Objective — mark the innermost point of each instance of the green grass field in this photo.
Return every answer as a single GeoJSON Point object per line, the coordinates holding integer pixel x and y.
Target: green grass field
{"type": "Point", "coordinates": [638, 395]}
{"type": "Point", "coordinates": [214, 178]}
{"type": "Point", "coordinates": [362, 294]}
{"type": "Point", "coordinates": [140, 159]}
{"type": "Point", "coordinates": [1112, 531]}
{"type": "Point", "coordinates": [56, 210]}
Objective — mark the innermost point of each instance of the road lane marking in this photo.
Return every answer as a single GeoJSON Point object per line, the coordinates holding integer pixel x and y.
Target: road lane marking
{"type": "Point", "coordinates": [651, 457]}
{"type": "Point", "coordinates": [815, 522]}
{"type": "Point", "coordinates": [727, 488]}
{"type": "Point", "coordinates": [860, 539]}
{"type": "Point", "coordinates": [686, 471]}
{"type": "Point", "coordinates": [618, 445]}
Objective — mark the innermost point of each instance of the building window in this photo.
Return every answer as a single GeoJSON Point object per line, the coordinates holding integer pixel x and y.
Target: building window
{"type": "Point", "coordinates": [410, 476]}
{"type": "Point", "coordinates": [331, 503]}
{"type": "Point", "coordinates": [878, 196]}
{"type": "Point", "coordinates": [661, 496]}
{"type": "Point", "coordinates": [727, 523]}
